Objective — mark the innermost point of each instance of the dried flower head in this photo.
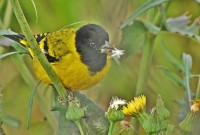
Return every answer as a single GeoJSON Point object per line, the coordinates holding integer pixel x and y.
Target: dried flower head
{"type": "Point", "coordinates": [135, 107]}
{"type": "Point", "coordinates": [110, 49]}
{"type": "Point", "coordinates": [125, 126]}
{"type": "Point", "coordinates": [116, 102]}
{"type": "Point", "coordinates": [116, 54]}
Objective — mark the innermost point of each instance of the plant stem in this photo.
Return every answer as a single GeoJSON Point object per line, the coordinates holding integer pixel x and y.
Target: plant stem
{"type": "Point", "coordinates": [8, 15]}
{"type": "Point", "coordinates": [111, 128]}
{"type": "Point", "coordinates": [36, 50]}
{"type": "Point", "coordinates": [147, 55]}
{"type": "Point", "coordinates": [145, 64]}
{"type": "Point", "coordinates": [62, 123]}
{"type": "Point", "coordinates": [187, 79]}
{"type": "Point", "coordinates": [198, 90]}
{"type": "Point", "coordinates": [158, 17]}
{"type": "Point", "coordinates": [79, 127]}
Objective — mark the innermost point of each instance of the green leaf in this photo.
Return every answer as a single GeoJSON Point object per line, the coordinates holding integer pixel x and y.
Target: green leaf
{"type": "Point", "coordinates": [149, 4]}
{"type": "Point", "coordinates": [133, 37]}
{"type": "Point", "coordinates": [30, 105]}
{"type": "Point", "coordinates": [180, 25]}
{"type": "Point", "coordinates": [175, 78]}
{"type": "Point", "coordinates": [7, 54]}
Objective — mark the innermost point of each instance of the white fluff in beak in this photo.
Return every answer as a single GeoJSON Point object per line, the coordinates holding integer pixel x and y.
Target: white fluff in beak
{"type": "Point", "coordinates": [115, 53]}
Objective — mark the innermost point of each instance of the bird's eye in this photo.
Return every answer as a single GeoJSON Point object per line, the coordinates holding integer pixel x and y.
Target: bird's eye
{"type": "Point", "coordinates": [93, 45]}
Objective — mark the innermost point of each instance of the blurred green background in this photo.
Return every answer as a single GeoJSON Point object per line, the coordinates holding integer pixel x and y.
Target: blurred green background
{"type": "Point", "coordinates": [121, 79]}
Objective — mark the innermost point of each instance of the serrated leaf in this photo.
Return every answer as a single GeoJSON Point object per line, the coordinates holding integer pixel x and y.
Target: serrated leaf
{"type": "Point", "coordinates": [173, 61]}
{"type": "Point", "coordinates": [175, 78]}
{"type": "Point", "coordinates": [180, 25]}
{"type": "Point", "coordinates": [152, 28]}
{"type": "Point", "coordinates": [133, 37]}
{"type": "Point", "coordinates": [149, 4]}
{"type": "Point", "coordinates": [161, 110]}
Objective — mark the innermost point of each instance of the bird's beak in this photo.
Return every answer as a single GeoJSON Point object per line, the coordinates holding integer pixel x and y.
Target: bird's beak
{"type": "Point", "coordinates": [107, 48]}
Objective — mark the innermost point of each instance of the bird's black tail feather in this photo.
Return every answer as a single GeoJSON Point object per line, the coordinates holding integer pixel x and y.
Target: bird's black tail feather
{"type": "Point", "coordinates": [16, 38]}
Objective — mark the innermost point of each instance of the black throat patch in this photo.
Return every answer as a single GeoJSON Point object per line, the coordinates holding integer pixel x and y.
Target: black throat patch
{"type": "Point", "coordinates": [89, 40]}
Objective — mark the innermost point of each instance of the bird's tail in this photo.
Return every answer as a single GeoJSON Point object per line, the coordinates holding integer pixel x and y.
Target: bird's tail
{"type": "Point", "coordinates": [18, 38]}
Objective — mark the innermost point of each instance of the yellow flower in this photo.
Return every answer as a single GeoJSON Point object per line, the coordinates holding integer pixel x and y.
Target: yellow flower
{"type": "Point", "coordinates": [135, 107]}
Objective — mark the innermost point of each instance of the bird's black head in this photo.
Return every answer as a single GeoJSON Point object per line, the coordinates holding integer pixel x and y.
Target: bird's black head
{"type": "Point", "coordinates": [89, 41]}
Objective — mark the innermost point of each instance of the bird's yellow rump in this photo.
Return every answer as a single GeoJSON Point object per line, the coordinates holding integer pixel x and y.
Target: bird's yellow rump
{"type": "Point", "coordinates": [78, 56]}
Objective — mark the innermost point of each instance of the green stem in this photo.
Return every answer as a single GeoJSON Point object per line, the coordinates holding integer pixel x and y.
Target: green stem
{"type": "Point", "coordinates": [62, 123]}
{"type": "Point", "coordinates": [79, 127]}
{"type": "Point", "coordinates": [85, 126]}
{"type": "Point", "coordinates": [158, 17]}
{"type": "Point", "coordinates": [145, 64]}
{"type": "Point", "coordinates": [36, 50]}
{"type": "Point", "coordinates": [8, 15]}
{"type": "Point", "coordinates": [111, 128]}
{"type": "Point", "coordinates": [187, 80]}
{"type": "Point", "coordinates": [147, 56]}
{"type": "Point", "coordinates": [198, 90]}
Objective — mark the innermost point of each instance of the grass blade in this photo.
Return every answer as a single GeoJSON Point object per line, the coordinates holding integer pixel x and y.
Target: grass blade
{"type": "Point", "coordinates": [7, 54]}
{"type": "Point", "coordinates": [30, 105]}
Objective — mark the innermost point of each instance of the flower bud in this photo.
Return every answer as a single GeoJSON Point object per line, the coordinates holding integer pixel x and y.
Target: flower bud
{"type": "Point", "coordinates": [188, 124]}
{"type": "Point", "coordinates": [114, 115]}
{"type": "Point", "coordinates": [161, 110]}
{"type": "Point", "coordinates": [74, 112]}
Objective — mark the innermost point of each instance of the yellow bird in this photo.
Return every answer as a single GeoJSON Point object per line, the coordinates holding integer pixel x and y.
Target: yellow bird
{"type": "Point", "coordinates": [79, 56]}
